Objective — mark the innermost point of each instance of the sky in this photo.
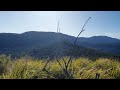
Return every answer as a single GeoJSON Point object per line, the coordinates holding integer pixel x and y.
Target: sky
{"type": "Point", "coordinates": [105, 23]}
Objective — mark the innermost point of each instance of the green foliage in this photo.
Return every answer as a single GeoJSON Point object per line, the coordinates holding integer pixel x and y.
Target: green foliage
{"type": "Point", "coordinates": [82, 68]}
{"type": "Point", "coordinates": [4, 61]}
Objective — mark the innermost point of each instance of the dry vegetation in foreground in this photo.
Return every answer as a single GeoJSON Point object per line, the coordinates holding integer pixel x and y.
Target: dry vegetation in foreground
{"type": "Point", "coordinates": [81, 68]}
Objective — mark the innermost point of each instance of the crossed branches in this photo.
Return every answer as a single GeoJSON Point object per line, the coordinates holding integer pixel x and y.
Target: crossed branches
{"type": "Point", "coordinates": [68, 65]}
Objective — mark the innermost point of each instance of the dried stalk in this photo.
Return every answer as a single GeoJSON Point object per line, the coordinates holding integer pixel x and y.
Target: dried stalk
{"type": "Point", "coordinates": [67, 72]}
{"type": "Point", "coordinates": [69, 63]}
{"type": "Point", "coordinates": [76, 40]}
{"type": "Point", "coordinates": [70, 60]}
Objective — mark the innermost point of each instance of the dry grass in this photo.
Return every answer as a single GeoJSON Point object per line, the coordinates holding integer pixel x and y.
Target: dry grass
{"type": "Point", "coordinates": [82, 68]}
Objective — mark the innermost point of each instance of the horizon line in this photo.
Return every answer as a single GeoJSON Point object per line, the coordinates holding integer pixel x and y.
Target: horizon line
{"type": "Point", "coordinates": [55, 32]}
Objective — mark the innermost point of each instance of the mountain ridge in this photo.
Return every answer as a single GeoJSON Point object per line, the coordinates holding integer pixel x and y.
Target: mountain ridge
{"type": "Point", "coordinates": [56, 32]}
{"type": "Point", "coordinates": [12, 42]}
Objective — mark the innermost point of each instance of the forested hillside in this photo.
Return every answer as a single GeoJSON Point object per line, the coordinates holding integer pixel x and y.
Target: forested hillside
{"type": "Point", "coordinates": [48, 44]}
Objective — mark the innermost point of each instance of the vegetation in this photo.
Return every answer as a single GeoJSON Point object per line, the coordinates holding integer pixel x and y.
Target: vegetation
{"type": "Point", "coordinates": [81, 68]}
{"type": "Point", "coordinates": [71, 62]}
{"type": "Point", "coordinates": [32, 43]}
{"type": "Point", "coordinates": [89, 58]}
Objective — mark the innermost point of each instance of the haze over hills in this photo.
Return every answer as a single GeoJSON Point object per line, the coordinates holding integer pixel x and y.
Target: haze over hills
{"type": "Point", "coordinates": [100, 39]}
{"type": "Point", "coordinates": [44, 44]}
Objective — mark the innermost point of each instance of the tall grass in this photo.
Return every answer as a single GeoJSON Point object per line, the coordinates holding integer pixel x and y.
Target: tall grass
{"type": "Point", "coordinates": [82, 68]}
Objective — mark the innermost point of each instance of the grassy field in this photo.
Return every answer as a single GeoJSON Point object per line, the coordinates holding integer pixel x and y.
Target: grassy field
{"type": "Point", "coordinates": [81, 68]}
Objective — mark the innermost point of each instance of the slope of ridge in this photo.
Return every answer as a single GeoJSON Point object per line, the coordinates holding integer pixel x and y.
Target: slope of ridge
{"type": "Point", "coordinates": [46, 42]}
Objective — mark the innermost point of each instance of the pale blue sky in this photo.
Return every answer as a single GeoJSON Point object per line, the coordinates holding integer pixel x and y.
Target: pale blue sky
{"type": "Point", "coordinates": [102, 22]}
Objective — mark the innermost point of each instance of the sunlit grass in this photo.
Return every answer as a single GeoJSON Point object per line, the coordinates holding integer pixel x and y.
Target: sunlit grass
{"type": "Point", "coordinates": [82, 68]}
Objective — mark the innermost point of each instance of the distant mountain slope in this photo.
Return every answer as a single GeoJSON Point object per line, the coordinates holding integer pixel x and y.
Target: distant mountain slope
{"type": "Point", "coordinates": [64, 49]}
{"type": "Point", "coordinates": [102, 43]}
{"type": "Point", "coordinates": [31, 39]}
{"type": "Point", "coordinates": [45, 43]}
{"type": "Point", "coordinates": [100, 39]}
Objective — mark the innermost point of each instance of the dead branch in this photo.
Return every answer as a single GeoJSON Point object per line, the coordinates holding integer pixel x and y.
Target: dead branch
{"type": "Point", "coordinates": [76, 41]}
{"type": "Point", "coordinates": [69, 73]}
{"type": "Point", "coordinates": [44, 68]}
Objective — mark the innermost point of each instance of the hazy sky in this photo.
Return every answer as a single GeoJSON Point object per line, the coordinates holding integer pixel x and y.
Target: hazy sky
{"type": "Point", "coordinates": [102, 22]}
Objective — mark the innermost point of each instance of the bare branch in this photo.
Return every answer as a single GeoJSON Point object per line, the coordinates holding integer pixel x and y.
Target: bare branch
{"type": "Point", "coordinates": [68, 65]}
{"type": "Point", "coordinates": [60, 64]}
{"type": "Point", "coordinates": [77, 38]}
{"type": "Point", "coordinates": [64, 62]}
{"type": "Point", "coordinates": [44, 68]}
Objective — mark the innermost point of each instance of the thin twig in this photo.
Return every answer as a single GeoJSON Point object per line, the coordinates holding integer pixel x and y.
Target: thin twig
{"type": "Point", "coordinates": [76, 40]}
{"type": "Point", "coordinates": [44, 68]}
